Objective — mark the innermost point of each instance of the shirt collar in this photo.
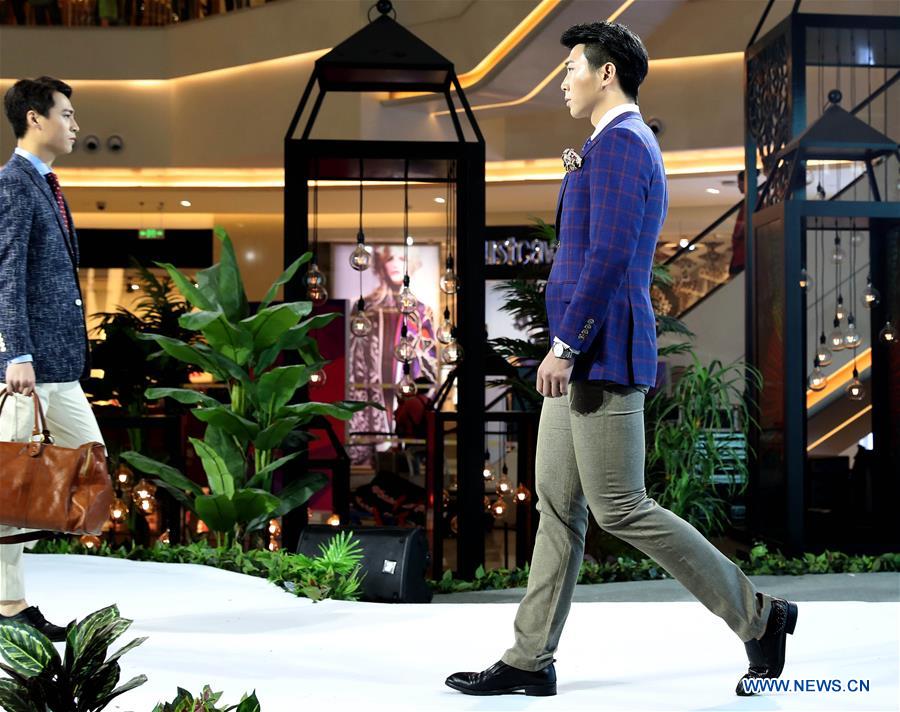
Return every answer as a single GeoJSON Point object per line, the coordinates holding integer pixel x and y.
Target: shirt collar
{"type": "Point", "coordinates": [42, 167]}
{"type": "Point", "coordinates": [611, 114]}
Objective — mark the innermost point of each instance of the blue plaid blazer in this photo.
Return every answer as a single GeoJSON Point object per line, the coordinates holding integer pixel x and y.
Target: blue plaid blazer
{"type": "Point", "coordinates": [609, 216]}
{"type": "Point", "coordinates": [41, 309]}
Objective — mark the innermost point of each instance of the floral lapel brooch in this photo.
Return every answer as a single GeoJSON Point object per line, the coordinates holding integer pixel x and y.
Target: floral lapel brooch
{"type": "Point", "coordinates": [571, 160]}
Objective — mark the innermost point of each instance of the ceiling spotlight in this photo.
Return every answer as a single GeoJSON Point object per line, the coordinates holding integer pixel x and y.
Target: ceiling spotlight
{"type": "Point", "coordinates": [440, 201]}
{"type": "Point", "coordinates": [683, 242]}
{"type": "Point", "coordinates": [409, 240]}
{"type": "Point", "coordinates": [185, 203]}
{"type": "Point", "coordinates": [712, 191]}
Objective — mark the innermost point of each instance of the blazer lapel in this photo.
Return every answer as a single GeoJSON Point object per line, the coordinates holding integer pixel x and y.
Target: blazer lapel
{"type": "Point", "coordinates": [44, 188]}
{"type": "Point", "coordinates": [559, 202]}
{"type": "Point", "coordinates": [615, 122]}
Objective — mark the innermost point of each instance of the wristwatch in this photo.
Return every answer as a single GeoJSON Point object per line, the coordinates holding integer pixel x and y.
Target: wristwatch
{"type": "Point", "coordinates": [562, 351]}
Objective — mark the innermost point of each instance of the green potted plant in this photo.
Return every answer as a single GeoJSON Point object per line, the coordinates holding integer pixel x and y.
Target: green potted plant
{"type": "Point", "coordinates": [243, 435]}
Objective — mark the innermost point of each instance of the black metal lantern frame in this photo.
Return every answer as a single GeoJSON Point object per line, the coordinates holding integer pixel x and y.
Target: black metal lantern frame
{"type": "Point", "coordinates": [384, 56]}
{"type": "Point", "coordinates": [776, 99]}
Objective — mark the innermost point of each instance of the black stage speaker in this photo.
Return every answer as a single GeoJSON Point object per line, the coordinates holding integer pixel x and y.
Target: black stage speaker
{"type": "Point", "coordinates": [394, 561]}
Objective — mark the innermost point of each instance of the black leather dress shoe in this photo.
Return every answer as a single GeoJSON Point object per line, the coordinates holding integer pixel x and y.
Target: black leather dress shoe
{"type": "Point", "coordinates": [766, 654]}
{"type": "Point", "coordinates": [32, 616]}
{"type": "Point", "coordinates": [503, 679]}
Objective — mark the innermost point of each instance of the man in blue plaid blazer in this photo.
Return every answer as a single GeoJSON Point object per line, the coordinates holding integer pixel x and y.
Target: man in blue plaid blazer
{"type": "Point", "coordinates": [591, 449]}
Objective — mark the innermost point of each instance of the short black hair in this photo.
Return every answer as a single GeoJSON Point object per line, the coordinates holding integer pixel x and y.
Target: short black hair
{"type": "Point", "coordinates": [31, 94]}
{"type": "Point", "coordinates": [612, 42]}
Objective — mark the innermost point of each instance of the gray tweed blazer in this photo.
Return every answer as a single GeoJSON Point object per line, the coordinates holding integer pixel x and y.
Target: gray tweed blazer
{"type": "Point", "coordinates": [41, 310]}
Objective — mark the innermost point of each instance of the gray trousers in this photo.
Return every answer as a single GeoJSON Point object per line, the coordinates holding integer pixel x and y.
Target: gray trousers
{"type": "Point", "coordinates": [590, 454]}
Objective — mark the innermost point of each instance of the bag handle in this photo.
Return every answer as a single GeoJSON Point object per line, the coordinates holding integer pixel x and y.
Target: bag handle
{"type": "Point", "coordinates": [40, 428]}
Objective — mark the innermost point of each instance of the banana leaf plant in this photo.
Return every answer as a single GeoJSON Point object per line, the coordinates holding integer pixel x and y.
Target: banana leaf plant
{"type": "Point", "coordinates": [242, 436]}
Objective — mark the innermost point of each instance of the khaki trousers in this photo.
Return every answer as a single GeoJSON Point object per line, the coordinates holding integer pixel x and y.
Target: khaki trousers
{"type": "Point", "coordinates": [71, 423]}
{"type": "Point", "coordinates": [590, 454]}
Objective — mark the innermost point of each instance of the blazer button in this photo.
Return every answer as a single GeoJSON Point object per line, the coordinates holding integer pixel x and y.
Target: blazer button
{"type": "Point", "coordinates": [590, 321]}
{"type": "Point", "coordinates": [77, 302]}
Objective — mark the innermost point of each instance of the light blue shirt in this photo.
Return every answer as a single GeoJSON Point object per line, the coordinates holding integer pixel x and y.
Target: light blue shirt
{"type": "Point", "coordinates": [43, 169]}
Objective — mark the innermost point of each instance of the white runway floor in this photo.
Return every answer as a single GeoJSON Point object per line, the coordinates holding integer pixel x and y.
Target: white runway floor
{"type": "Point", "coordinates": [240, 633]}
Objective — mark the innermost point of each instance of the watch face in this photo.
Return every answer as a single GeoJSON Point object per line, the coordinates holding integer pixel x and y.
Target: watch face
{"type": "Point", "coordinates": [557, 349]}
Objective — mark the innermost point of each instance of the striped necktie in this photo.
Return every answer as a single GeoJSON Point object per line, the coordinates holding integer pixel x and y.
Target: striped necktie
{"type": "Point", "coordinates": [57, 192]}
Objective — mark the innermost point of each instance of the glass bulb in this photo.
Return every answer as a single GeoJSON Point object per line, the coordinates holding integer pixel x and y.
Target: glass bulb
{"type": "Point", "coordinates": [851, 337]}
{"type": "Point", "coordinates": [118, 510]}
{"type": "Point", "coordinates": [449, 282]}
{"type": "Point", "coordinates": [523, 495]}
{"type": "Point", "coordinates": [487, 473]}
{"type": "Point", "coordinates": [823, 353]}
{"type": "Point", "coordinates": [360, 257]}
{"type": "Point", "coordinates": [870, 297]}
{"type": "Point", "coordinates": [499, 508]}
{"type": "Point", "coordinates": [360, 324]}
{"type": "Point", "coordinates": [445, 332]}
{"type": "Point", "coordinates": [318, 378]}
{"type": "Point", "coordinates": [314, 277]}
{"type": "Point", "coordinates": [503, 486]}
{"type": "Point", "coordinates": [148, 506]}
{"type": "Point", "coordinates": [408, 301]}
{"type": "Point", "coordinates": [837, 254]}
{"type": "Point", "coordinates": [805, 280]}
{"type": "Point", "coordinates": [856, 238]}
{"type": "Point", "coordinates": [317, 294]}
{"type": "Point", "coordinates": [836, 339]}
{"type": "Point", "coordinates": [817, 379]}
{"type": "Point", "coordinates": [855, 390]}
{"type": "Point", "coordinates": [452, 353]}
{"type": "Point", "coordinates": [888, 335]}
{"type": "Point", "coordinates": [407, 387]}
{"type": "Point", "coordinates": [839, 311]}
{"type": "Point", "coordinates": [405, 350]}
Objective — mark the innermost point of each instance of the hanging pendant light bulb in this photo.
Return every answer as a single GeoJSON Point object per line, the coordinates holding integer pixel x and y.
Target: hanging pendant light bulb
{"type": "Point", "coordinates": [405, 350]}
{"type": "Point", "coordinates": [487, 473]}
{"type": "Point", "coordinates": [817, 379]}
{"type": "Point", "coordinates": [851, 336]}
{"type": "Point", "coordinates": [318, 378]}
{"type": "Point", "coordinates": [503, 486]}
{"type": "Point", "coordinates": [449, 280]}
{"type": "Point", "coordinates": [452, 353]}
{"type": "Point", "coordinates": [313, 277]}
{"type": "Point", "coordinates": [823, 353]}
{"type": "Point", "coordinates": [836, 339]}
{"type": "Point", "coordinates": [839, 311]}
{"type": "Point", "coordinates": [870, 297]}
{"type": "Point", "coordinates": [360, 323]}
{"type": "Point", "coordinates": [856, 237]}
{"type": "Point", "coordinates": [888, 334]}
{"type": "Point", "coordinates": [499, 508]}
{"type": "Point", "coordinates": [523, 494]}
{"type": "Point", "coordinates": [837, 254]}
{"type": "Point", "coordinates": [805, 280]}
{"type": "Point", "coordinates": [854, 389]}
{"type": "Point", "coordinates": [318, 295]}
{"type": "Point", "coordinates": [408, 301]}
{"type": "Point", "coordinates": [360, 257]}
{"type": "Point", "coordinates": [445, 330]}
{"type": "Point", "coordinates": [407, 387]}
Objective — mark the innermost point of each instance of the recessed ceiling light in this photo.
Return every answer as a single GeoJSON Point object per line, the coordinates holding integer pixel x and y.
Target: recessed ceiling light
{"type": "Point", "coordinates": [185, 203]}
{"type": "Point", "coordinates": [440, 200]}
{"type": "Point", "coordinates": [712, 191]}
{"type": "Point", "coordinates": [409, 240]}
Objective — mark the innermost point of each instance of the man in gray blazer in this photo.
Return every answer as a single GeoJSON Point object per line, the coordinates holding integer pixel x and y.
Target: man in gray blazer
{"type": "Point", "coordinates": [43, 339]}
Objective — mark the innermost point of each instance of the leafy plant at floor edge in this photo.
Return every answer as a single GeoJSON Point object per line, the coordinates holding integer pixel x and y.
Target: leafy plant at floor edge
{"type": "Point", "coordinates": [697, 433]}
{"type": "Point", "coordinates": [185, 702]}
{"type": "Point", "coordinates": [83, 681]}
{"type": "Point", "coordinates": [524, 300]}
{"type": "Point", "coordinates": [333, 575]}
{"type": "Point", "coordinates": [239, 349]}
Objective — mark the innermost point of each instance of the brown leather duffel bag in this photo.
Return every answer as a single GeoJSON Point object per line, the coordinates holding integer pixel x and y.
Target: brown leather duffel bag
{"type": "Point", "coordinates": [47, 487]}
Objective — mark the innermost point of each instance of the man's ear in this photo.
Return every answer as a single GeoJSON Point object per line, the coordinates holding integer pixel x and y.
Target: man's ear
{"type": "Point", "coordinates": [608, 73]}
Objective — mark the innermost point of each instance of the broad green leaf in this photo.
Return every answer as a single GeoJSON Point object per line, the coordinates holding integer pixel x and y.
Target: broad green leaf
{"type": "Point", "coordinates": [183, 352]}
{"type": "Point", "coordinates": [197, 320]}
{"type": "Point", "coordinates": [95, 644]}
{"type": "Point", "coordinates": [229, 421]}
{"type": "Point", "coordinates": [98, 684]}
{"type": "Point", "coordinates": [231, 292]}
{"type": "Point", "coordinates": [272, 436]}
{"type": "Point", "coordinates": [165, 472]}
{"type": "Point", "coordinates": [249, 704]}
{"type": "Point", "coordinates": [343, 410]}
{"type": "Point", "coordinates": [25, 649]}
{"type": "Point", "coordinates": [232, 341]}
{"type": "Point", "coordinates": [130, 685]}
{"type": "Point", "coordinates": [177, 493]}
{"type": "Point", "coordinates": [221, 481]}
{"type": "Point", "coordinates": [259, 476]}
{"type": "Point", "coordinates": [217, 511]}
{"type": "Point", "coordinates": [14, 698]}
{"type": "Point", "coordinates": [252, 503]}
{"type": "Point", "coordinates": [268, 325]}
{"type": "Point", "coordinates": [187, 396]}
{"type": "Point", "coordinates": [275, 388]}
{"type": "Point", "coordinates": [229, 450]}
{"type": "Point", "coordinates": [297, 492]}
{"type": "Point", "coordinates": [284, 278]}
{"type": "Point", "coordinates": [125, 648]}
{"type": "Point", "coordinates": [194, 295]}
